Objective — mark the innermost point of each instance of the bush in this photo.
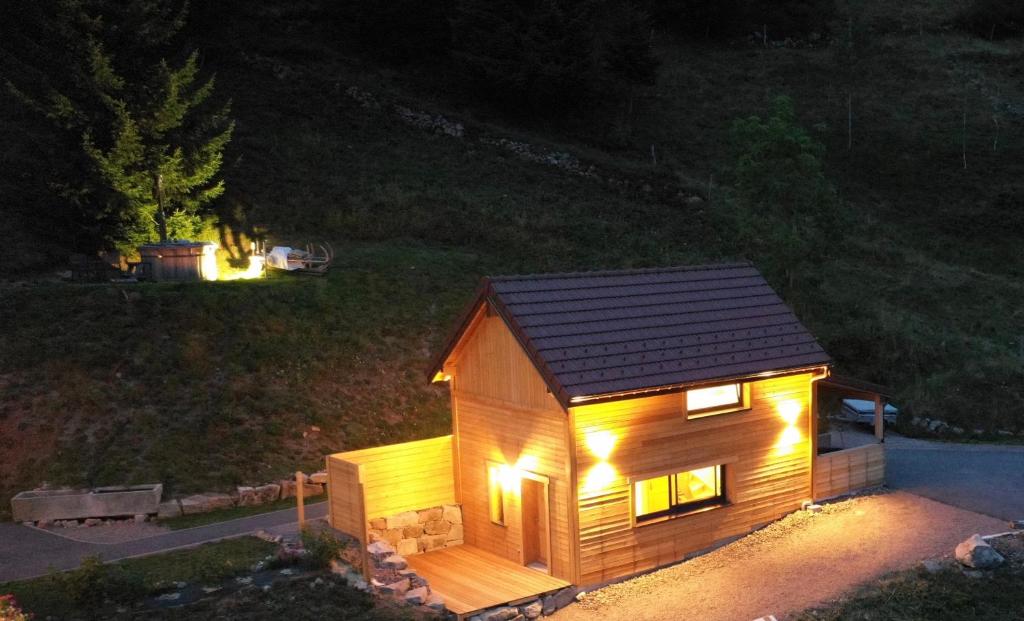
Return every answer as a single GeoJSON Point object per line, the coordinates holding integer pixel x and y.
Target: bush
{"type": "Point", "coordinates": [993, 19]}
{"type": "Point", "coordinates": [95, 583]}
{"type": "Point", "coordinates": [321, 548]}
{"type": "Point", "coordinates": [728, 18]}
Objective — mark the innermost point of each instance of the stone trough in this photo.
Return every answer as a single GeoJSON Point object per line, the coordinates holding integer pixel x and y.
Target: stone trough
{"type": "Point", "coordinates": [74, 504]}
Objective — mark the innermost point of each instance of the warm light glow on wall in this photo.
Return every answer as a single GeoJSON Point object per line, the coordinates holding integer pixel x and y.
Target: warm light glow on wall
{"type": "Point", "coordinates": [599, 477]}
{"type": "Point", "coordinates": [508, 477]}
{"type": "Point", "coordinates": [601, 443]}
{"type": "Point", "coordinates": [790, 410]}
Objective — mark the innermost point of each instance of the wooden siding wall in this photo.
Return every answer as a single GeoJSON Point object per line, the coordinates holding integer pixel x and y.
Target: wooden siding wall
{"type": "Point", "coordinates": [345, 501]}
{"type": "Point", "coordinates": [399, 477]}
{"type": "Point", "coordinates": [768, 473]}
{"type": "Point", "coordinates": [848, 470]}
{"type": "Point", "coordinates": [503, 413]}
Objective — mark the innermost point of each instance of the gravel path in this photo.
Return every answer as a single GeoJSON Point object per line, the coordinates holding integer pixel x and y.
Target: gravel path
{"type": "Point", "coordinates": [797, 562]}
{"type": "Point", "coordinates": [29, 552]}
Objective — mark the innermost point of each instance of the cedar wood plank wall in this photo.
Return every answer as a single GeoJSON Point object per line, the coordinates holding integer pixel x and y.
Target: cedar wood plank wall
{"type": "Point", "coordinates": [848, 470]}
{"type": "Point", "coordinates": [764, 481]}
{"type": "Point", "coordinates": [502, 412]}
{"type": "Point", "coordinates": [392, 479]}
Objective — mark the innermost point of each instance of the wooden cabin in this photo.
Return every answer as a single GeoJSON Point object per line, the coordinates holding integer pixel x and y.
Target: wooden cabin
{"type": "Point", "coordinates": [607, 423]}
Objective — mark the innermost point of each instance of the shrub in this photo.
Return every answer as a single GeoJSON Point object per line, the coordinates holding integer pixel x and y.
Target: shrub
{"type": "Point", "coordinates": [727, 18]}
{"type": "Point", "coordinates": [993, 19]}
{"type": "Point", "coordinates": [95, 583]}
{"type": "Point", "coordinates": [9, 610]}
{"type": "Point", "coordinates": [321, 548]}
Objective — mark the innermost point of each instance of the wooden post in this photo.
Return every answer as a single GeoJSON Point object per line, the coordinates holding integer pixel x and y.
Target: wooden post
{"type": "Point", "coordinates": [879, 418]}
{"type": "Point", "coordinates": [300, 501]}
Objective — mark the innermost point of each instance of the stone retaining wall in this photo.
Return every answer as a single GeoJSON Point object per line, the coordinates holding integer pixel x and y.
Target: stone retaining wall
{"type": "Point", "coordinates": [412, 532]}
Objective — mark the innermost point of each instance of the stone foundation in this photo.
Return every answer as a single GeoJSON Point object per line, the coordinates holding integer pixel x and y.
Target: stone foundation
{"type": "Point", "coordinates": [412, 532]}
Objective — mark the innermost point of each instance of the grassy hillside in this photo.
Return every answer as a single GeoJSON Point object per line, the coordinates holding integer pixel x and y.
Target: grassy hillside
{"type": "Point", "coordinates": [208, 385]}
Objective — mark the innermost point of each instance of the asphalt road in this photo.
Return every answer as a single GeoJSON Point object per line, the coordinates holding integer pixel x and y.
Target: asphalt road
{"type": "Point", "coordinates": [985, 478]}
{"type": "Point", "coordinates": [29, 552]}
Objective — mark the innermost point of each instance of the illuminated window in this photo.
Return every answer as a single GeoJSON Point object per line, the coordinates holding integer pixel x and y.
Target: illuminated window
{"type": "Point", "coordinates": [678, 493]}
{"type": "Point", "coordinates": [496, 494]}
{"type": "Point", "coordinates": [715, 399]}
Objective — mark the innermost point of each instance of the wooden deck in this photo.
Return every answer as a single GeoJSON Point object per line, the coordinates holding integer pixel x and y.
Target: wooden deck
{"type": "Point", "coordinates": [470, 579]}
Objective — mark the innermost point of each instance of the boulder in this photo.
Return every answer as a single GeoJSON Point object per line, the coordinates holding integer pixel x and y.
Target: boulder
{"type": "Point", "coordinates": [393, 536]}
{"type": "Point", "coordinates": [312, 489]}
{"type": "Point", "coordinates": [412, 532]}
{"type": "Point", "coordinates": [380, 549]}
{"type": "Point", "coordinates": [977, 553]}
{"type": "Point", "coordinates": [287, 488]}
{"type": "Point", "coordinates": [401, 520]}
{"type": "Point", "coordinates": [203, 503]}
{"type": "Point", "coordinates": [436, 527]}
{"type": "Point", "coordinates": [559, 600]}
{"type": "Point", "coordinates": [432, 542]}
{"type": "Point", "coordinates": [428, 515]}
{"type": "Point", "coordinates": [168, 509]}
{"type": "Point", "coordinates": [417, 596]}
{"type": "Point", "coordinates": [505, 613]}
{"type": "Point", "coordinates": [395, 561]}
{"type": "Point", "coordinates": [318, 477]}
{"type": "Point", "coordinates": [455, 534]}
{"type": "Point", "coordinates": [92, 521]}
{"type": "Point", "coordinates": [534, 610]}
{"type": "Point", "coordinates": [451, 514]}
{"type": "Point", "coordinates": [435, 602]}
{"type": "Point", "coordinates": [140, 518]}
{"type": "Point", "coordinates": [378, 523]}
{"type": "Point", "coordinates": [407, 546]}
{"type": "Point", "coordinates": [396, 588]}
{"type": "Point", "coordinates": [251, 496]}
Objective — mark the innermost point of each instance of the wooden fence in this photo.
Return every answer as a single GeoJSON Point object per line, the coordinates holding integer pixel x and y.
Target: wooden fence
{"type": "Point", "coordinates": [848, 470]}
{"type": "Point", "coordinates": [386, 480]}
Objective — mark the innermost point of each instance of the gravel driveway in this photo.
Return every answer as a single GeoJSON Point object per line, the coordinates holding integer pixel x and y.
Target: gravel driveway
{"type": "Point", "coordinates": [797, 562]}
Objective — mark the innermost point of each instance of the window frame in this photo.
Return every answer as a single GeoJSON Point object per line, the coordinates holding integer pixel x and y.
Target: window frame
{"type": "Point", "coordinates": [722, 499]}
{"type": "Point", "coordinates": [742, 405]}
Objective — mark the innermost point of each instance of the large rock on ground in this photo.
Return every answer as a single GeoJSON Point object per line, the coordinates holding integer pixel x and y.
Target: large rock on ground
{"type": "Point", "coordinates": [975, 552]}
{"type": "Point", "coordinates": [204, 503]}
{"type": "Point", "coordinates": [168, 509]}
{"type": "Point", "coordinates": [252, 496]}
{"type": "Point", "coordinates": [318, 477]}
{"type": "Point", "coordinates": [417, 596]}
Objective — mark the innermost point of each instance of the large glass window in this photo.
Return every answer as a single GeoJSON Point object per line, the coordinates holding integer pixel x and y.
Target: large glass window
{"type": "Point", "coordinates": [678, 493]}
{"type": "Point", "coordinates": [714, 399]}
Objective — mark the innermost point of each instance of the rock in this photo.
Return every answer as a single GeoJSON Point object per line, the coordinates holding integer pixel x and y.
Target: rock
{"type": "Point", "coordinates": [169, 597]}
{"type": "Point", "coordinates": [933, 566]}
{"type": "Point", "coordinates": [417, 596]}
{"type": "Point", "coordinates": [312, 489]}
{"type": "Point", "coordinates": [1017, 524]}
{"type": "Point", "coordinates": [559, 600]}
{"type": "Point", "coordinates": [395, 561]}
{"type": "Point", "coordinates": [412, 532]}
{"type": "Point", "coordinates": [505, 613]}
{"type": "Point", "coordinates": [378, 523]}
{"type": "Point", "coordinates": [92, 521]}
{"type": "Point", "coordinates": [287, 488]}
{"type": "Point", "coordinates": [451, 514]}
{"type": "Point", "coordinates": [401, 520]}
{"type": "Point", "coordinates": [455, 533]}
{"type": "Point", "coordinates": [252, 496]}
{"type": "Point", "coordinates": [407, 546]}
{"type": "Point", "coordinates": [429, 515]}
{"type": "Point", "coordinates": [356, 581]}
{"type": "Point", "coordinates": [534, 610]}
{"type": "Point", "coordinates": [203, 503]}
{"type": "Point", "coordinates": [393, 536]}
{"type": "Point", "coordinates": [139, 518]}
{"type": "Point", "coordinates": [338, 567]}
{"type": "Point", "coordinates": [265, 536]}
{"type": "Point", "coordinates": [436, 527]}
{"type": "Point", "coordinates": [435, 602]}
{"type": "Point", "coordinates": [814, 508]}
{"type": "Point", "coordinates": [396, 588]}
{"type": "Point", "coordinates": [977, 553]}
{"type": "Point", "coordinates": [380, 549]}
{"type": "Point", "coordinates": [432, 542]}
{"type": "Point", "coordinates": [318, 477]}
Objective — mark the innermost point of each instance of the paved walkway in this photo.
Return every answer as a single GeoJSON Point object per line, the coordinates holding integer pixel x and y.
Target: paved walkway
{"type": "Point", "coordinates": [29, 552]}
{"type": "Point", "coordinates": [987, 478]}
{"type": "Point", "coordinates": [798, 562]}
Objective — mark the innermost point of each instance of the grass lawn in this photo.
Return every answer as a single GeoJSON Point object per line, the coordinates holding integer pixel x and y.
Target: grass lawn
{"type": "Point", "coordinates": [233, 513]}
{"type": "Point", "coordinates": [55, 596]}
{"type": "Point", "coordinates": [947, 595]}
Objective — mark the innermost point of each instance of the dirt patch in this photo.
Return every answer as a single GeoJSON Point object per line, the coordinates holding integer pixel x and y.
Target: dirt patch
{"type": "Point", "coordinates": [798, 562]}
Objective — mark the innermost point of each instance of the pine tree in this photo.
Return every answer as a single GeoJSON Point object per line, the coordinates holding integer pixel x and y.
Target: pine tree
{"type": "Point", "coordinates": [165, 151]}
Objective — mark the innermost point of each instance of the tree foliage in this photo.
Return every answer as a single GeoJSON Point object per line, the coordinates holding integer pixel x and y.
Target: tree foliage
{"type": "Point", "coordinates": [787, 210]}
{"type": "Point", "coordinates": [993, 19]}
{"type": "Point", "coordinates": [777, 19]}
{"type": "Point", "coordinates": [88, 78]}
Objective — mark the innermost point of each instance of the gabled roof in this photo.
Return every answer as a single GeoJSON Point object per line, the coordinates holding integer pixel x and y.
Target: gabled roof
{"type": "Point", "coordinates": [602, 334]}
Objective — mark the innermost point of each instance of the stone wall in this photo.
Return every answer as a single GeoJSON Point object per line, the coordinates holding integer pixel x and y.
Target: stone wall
{"type": "Point", "coordinates": [412, 532]}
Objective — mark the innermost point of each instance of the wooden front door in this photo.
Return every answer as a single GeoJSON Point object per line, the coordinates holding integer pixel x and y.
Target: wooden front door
{"type": "Point", "coordinates": [536, 526]}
